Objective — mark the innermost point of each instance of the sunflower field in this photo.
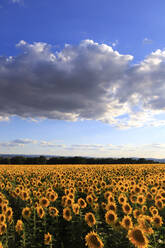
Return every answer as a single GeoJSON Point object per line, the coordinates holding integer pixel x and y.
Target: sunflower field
{"type": "Point", "coordinates": [78, 206]}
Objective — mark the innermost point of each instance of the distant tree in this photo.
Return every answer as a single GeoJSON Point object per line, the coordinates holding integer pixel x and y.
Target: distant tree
{"type": "Point", "coordinates": [4, 160]}
{"type": "Point", "coordinates": [41, 160]}
{"type": "Point", "coordinates": [17, 160]}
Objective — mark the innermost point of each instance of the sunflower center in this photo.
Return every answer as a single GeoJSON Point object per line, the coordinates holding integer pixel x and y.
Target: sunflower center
{"type": "Point", "coordinates": [94, 240]}
{"type": "Point", "coordinates": [111, 217]}
{"type": "Point", "coordinates": [138, 236]}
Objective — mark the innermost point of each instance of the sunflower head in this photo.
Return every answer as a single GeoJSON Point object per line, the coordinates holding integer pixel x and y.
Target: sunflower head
{"type": "Point", "coordinates": [93, 241]}
{"type": "Point", "coordinates": [127, 222]}
{"type": "Point", "coordinates": [110, 217]}
{"type": "Point", "coordinates": [44, 202]}
{"type": "Point", "coordinates": [26, 213]}
{"type": "Point", "coordinates": [76, 208]}
{"type": "Point", "coordinates": [127, 209]}
{"type": "Point", "coordinates": [90, 219]}
{"type": "Point", "coordinates": [137, 237]}
{"type": "Point", "coordinates": [82, 203]}
{"type": "Point", "coordinates": [40, 211]}
{"type": "Point", "coordinates": [157, 221]}
{"type": "Point", "coordinates": [2, 218]}
{"type": "Point", "coordinates": [19, 226]}
{"type": "Point", "coordinates": [67, 215]}
{"type": "Point", "coordinates": [53, 211]}
{"type": "Point", "coordinates": [145, 223]}
{"type": "Point", "coordinates": [3, 228]}
{"type": "Point", "coordinates": [47, 238]}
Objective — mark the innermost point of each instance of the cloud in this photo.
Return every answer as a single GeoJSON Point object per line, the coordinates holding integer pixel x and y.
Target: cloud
{"type": "Point", "coordinates": [23, 146]}
{"type": "Point", "coordinates": [88, 81]}
{"type": "Point", "coordinates": [17, 1]}
{"type": "Point", "coordinates": [147, 41]}
{"type": "Point", "coordinates": [17, 143]}
{"type": "Point", "coordinates": [115, 43]}
{"type": "Point", "coordinates": [24, 141]}
{"type": "Point", "coordinates": [44, 143]}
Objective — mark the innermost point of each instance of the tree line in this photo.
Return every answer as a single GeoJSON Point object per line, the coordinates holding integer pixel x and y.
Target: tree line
{"type": "Point", "coordinates": [72, 160]}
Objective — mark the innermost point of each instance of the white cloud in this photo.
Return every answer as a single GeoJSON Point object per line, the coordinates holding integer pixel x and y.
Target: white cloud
{"type": "Point", "coordinates": [115, 43]}
{"type": "Point", "coordinates": [147, 41]}
{"type": "Point", "coordinates": [24, 146]}
{"type": "Point", "coordinates": [85, 81]}
{"type": "Point", "coordinates": [18, 143]}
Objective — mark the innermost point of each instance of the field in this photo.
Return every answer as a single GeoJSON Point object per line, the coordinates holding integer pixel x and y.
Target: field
{"type": "Point", "coordinates": [80, 206]}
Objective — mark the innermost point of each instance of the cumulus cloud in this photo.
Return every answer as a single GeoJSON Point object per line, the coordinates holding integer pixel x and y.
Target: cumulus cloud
{"type": "Point", "coordinates": [85, 81]}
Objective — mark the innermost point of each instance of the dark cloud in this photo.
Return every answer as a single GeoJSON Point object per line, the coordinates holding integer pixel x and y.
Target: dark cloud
{"type": "Point", "coordinates": [87, 81]}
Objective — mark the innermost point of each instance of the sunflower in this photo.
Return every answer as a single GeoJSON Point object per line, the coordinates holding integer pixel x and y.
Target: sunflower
{"type": "Point", "coordinates": [159, 204]}
{"type": "Point", "coordinates": [47, 238]}
{"type": "Point", "coordinates": [68, 202]}
{"type": "Point", "coordinates": [2, 186]}
{"type": "Point", "coordinates": [44, 202]}
{"type": "Point", "coordinates": [24, 195]}
{"type": "Point", "coordinates": [110, 217]}
{"type": "Point", "coordinates": [107, 194]}
{"type": "Point", "coordinates": [3, 228]}
{"type": "Point", "coordinates": [126, 222]}
{"type": "Point", "coordinates": [103, 205]}
{"type": "Point", "coordinates": [9, 213]}
{"type": "Point", "coordinates": [111, 206]}
{"type": "Point", "coordinates": [93, 241]}
{"type": "Point", "coordinates": [144, 208]}
{"type": "Point", "coordinates": [137, 189]}
{"type": "Point", "coordinates": [1, 200]}
{"type": "Point", "coordinates": [2, 218]}
{"type": "Point", "coordinates": [17, 191]}
{"type": "Point", "coordinates": [127, 209]}
{"type": "Point", "coordinates": [40, 211]}
{"type": "Point", "coordinates": [53, 196]}
{"type": "Point", "coordinates": [141, 199]}
{"type": "Point", "coordinates": [71, 196]}
{"type": "Point", "coordinates": [154, 211]}
{"type": "Point", "coordinates": [67, 215]}
{"type": "Point", "coordinates": [157, 221]}
{"type": "Point", "coordinates": [122, 198]}
{"type": "Point", "coordinates": [149, 196]}
{"type": "Point", "coordinates": [82, 203]}
{"type": "Point", "coordinates": [145, 223]}
{"type": "Point", "coordinates": [137, 237]}
{"type": "Point", "coordinates": [26, 213]}
{"type": "Point", "coordinates": [19, 226]}
{"type": "Point", "coordinates": [63, 200]}
{"type": "Point", "coordinates": [89, 199]}
{"type": "Point", "coordinates": [53, 211]}
{"type": "Point", "coordinates": [111, 199]}
{"type": "Point", "coordinates": [66, 191]}
{"type": "Point", "coordinates": [136, 213]}
{"type": "Point", "coordinates": [163, 194]}
{"type": "Point", "coordinates": [90, 219]}
{"type": "Point", "coordinates": [133, 198]}
{"type": "Point", "coordinates": [154, 190]}
{"type": "Point", "coordinates": [76, 208]}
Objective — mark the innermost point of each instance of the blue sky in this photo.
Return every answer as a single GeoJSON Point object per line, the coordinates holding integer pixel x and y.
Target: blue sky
{"type": "Point", "coordinates": [82, 77]}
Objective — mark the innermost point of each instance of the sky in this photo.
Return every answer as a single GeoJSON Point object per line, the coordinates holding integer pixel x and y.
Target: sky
{"type": "Point", "coordinates": [82, 78]}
